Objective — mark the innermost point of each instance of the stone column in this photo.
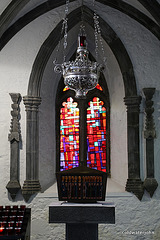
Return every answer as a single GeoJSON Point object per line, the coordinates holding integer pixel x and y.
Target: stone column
{"type": "Point", "coordinates": [31, 184]}
{"type": "Point", "coordinates": [13, 185]}
{"type": "Point", "coordinates": [150, 183]}
{"type": "Point", "coordinates": [134, 183]}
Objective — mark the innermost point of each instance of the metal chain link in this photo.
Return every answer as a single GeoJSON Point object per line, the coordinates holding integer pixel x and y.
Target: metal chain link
{"type": "Point", "coordinates": [97, 34]}
{"type": "Point", "coordinates": [63, 34]}
{"type": "Point", "coordinates": [65, 22]}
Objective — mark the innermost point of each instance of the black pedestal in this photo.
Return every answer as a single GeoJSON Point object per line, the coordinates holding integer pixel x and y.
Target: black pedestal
{"type": "Point", "coordinates": [82, 219]}
{"type": "Point", "coordinates": [81, 231]}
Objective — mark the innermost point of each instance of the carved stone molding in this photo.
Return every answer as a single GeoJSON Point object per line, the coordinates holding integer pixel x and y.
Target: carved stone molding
{"type": "Point", "coordinates": [13, 185]}
{"type": "Point", "coordinates": [150, 183]}
{"type": "Point", "coordinates": [133, 103]}
{"type": "Point", "coordinates": [136, 187]}
{"type": "Point", "coordinates": [15, 128]}
{"type": "Point", "coordinates": [31, 103]}
{"type": "Point", "coordinates": [30, 187]}
{"type": "Point", "coordinates": [31, 184]}
{"type": "Point", "coordinates": [149, 124]}
{"type": "Point", "coordinates": [134, 183]}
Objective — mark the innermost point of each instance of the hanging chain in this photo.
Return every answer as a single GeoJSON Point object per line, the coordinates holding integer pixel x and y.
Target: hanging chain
{"type": "Point", "coordinates": [82, 13]}
{"type": "Point", "coordinates": [59, 43]}
{"type": "Point", "coordinates": [65, 23]}
{"type": "Point", "coordinates": [63, 33]}
{"type": "Point", "coordinates": [82, 26]}
{"type": "Point", "coordinates": [97, 34]}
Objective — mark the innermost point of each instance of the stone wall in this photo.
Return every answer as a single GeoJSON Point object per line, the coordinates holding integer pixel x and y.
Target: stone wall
{"type": "Point", "coordinates": [134, 219]}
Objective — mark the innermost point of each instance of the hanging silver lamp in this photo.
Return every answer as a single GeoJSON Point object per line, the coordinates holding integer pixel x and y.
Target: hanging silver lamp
{"type": "Point", "coordinates": [81, 75]}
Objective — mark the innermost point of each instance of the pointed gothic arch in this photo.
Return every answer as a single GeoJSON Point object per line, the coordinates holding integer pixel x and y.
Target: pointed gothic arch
{"type": "Point", "coordinates": [33, 99]}
{"type": "Point", "coordinates": [109, 36]}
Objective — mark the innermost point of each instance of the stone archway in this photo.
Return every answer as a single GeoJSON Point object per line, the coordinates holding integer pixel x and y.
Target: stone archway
{"type": "Point", "coordinates": [132, 101]}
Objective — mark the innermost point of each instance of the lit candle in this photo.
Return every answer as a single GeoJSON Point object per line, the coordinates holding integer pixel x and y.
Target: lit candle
{"type": "Point", "coordinates": [7, 207]}
{"type": "Point", "coordinates": [9, 230]}
{"type": "Point", "coordinates": [3, 224]}
{"type": "Point", "coordinates": [15, 207]}
{"type": "Point", "coordinates": [17, 230]}
{"type": "Point", "coordinates": [20, 218]}
{"type": "Point", "coordinates": [12, 218]}
{"type": "Point", "coordinates": [11, 224]}
{"type": "Point", "coordinates": [14, 212]}
{"type": "Point", "coordinates": [19, 224]}
{"type": "Point", "coordinates": [1, 229]}
{"type": "Point", "coordinates": [22, 207]}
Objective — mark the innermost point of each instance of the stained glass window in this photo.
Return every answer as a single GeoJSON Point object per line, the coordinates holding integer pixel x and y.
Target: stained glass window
{"type": "Point", "coordinates": [96, 135]}
{"type": "Point", "coordinates": [97, 156]}
{"type": "Point", "coordinates": [69, 135]}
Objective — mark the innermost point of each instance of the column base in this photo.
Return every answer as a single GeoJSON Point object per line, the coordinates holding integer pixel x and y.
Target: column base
{"type": "Point", "coordinates": [150, 184]}
{"type": "Point", "coordinates": [13, 188]}
{"type": "Point", "coordinates": [29, 188]}
{"type": "Point", "coordinates": [135, 186]}
{"type": "Point", "coordinates": [81, 231]}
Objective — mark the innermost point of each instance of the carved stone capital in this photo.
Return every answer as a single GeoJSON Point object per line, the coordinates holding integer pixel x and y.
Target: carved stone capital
{"type": "Point", "coordinates": [15, 97]}
{"type": "Point", "coordinates": [150, 133]}
{"type": "Point", "coordinates": [150, 184]}
{"type": "Point", "coordinates": [135, 186]}
{"type": "Point", "coordinates": [132, 103]}
{"type": "Point", "coordinates": [149, 92]}
{"type": "Point", "coordinates": [31, 103]}
{"type": "Point", "coordinates": [29, 188]}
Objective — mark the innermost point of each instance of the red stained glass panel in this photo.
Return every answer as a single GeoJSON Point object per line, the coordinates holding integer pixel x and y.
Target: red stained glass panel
{"type": "Point", "coordinates": [69, 135]}
{"type": "Point", "coordinates": [96, 135]}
